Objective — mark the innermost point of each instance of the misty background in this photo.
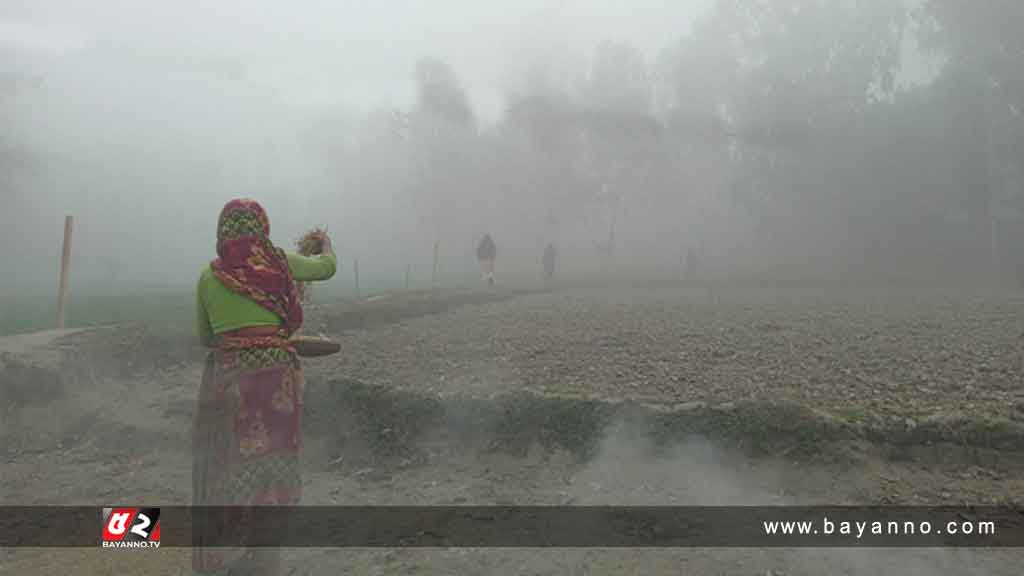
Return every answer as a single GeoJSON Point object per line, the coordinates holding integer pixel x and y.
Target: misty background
{"type": "Point", "coordinates": [875, 140]}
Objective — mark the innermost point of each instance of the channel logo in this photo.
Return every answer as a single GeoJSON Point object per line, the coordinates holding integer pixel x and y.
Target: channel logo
{"type": "Point", "coordinates": [131, 528]}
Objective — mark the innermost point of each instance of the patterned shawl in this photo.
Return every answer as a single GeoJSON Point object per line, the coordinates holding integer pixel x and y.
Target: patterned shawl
{"type": "Point", "coordinates": [249, 264]}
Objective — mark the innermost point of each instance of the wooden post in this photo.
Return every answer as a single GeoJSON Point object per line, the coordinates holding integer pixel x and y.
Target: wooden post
{"type": "Point", "coordinates": [65, 263]}
{"type": "Point", "coordinates": [408, 274]}
{"type": "Point", "coordinates": [433, 275]}
{"type": "Point", "coordinates": [994, 189]}
{"type": "Point", "coordinates": [355, 265]}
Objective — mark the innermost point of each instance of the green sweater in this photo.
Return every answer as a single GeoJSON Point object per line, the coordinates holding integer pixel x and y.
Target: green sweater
{"type": "Point", "coordinates": [220, 310]}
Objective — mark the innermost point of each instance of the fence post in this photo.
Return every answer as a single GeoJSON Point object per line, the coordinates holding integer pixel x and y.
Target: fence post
{"type": "Point", "coordinates": [356, 268]}
{"type": "Point", "coordinates": [433, 275]}
{"type": "Point", "coordinates": [65, 263]}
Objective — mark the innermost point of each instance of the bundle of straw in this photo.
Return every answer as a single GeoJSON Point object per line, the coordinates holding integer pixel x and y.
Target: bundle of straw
{"type": "Point", "coordinates": [310, 244]}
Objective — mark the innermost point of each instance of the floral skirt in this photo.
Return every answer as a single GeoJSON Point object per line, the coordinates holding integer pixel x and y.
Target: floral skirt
{"type": "Point", "coordinates": [246, 440]}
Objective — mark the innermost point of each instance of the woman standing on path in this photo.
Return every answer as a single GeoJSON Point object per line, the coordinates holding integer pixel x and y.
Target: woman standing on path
{"type": "Point", "coordinates": [246, 435]}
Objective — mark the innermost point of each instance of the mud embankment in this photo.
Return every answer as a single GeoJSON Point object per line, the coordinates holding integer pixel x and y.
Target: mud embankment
{"type": "Point", "coordinates": [381, 423]}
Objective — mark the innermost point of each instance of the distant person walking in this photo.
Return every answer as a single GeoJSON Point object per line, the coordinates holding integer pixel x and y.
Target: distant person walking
{"type": "Point", "coordinates": [486, 252]}
{"type": "Point", "coordinates": [691, 264]}
{"type": "Point", "coordinates": [246, 434]}
{"type": "Point", "coordinates": [549, 262]}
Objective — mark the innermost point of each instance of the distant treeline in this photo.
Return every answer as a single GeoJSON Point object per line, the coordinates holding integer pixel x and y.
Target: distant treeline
{"type": "Point", "coordinates": [776, 134]}
{"type": "Point", "coordinates": [871, 139]}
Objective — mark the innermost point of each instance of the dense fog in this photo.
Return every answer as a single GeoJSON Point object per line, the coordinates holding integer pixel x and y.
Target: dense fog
{"type": "Point", "coordinates": [876, 141]}
{"type": "Point", "coordinates": [789, 271]}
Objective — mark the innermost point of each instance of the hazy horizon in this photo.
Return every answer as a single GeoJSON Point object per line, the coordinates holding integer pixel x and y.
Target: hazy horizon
{"type": "Point", "coordinates": [142, 120]}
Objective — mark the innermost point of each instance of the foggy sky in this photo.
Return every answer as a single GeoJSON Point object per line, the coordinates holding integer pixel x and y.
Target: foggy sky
{"type": "Point", "coordinates": [356, 54]}
{"type": "Point", "coordinates": [143, 118]}
{"type": "Point", "coordinates": [147, 116]}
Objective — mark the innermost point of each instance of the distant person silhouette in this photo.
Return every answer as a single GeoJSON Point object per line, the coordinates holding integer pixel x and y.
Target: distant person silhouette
{"type": "Point", "coordinates": [691, 264]}
{"type": "Point", "coordinates": [486, 252]}
{"type": "Point", "coordinates": [549, 262]}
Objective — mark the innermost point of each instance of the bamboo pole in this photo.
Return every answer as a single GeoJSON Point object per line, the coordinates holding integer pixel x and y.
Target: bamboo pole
{"type": "Point", "coordinates": [356, 269]}
{"type": "Point", "coordinates": [433, 275]}
{"type": "Point", "coordinates": [65, 263]}
{"type": "Point", "coordinates": [408, 274]}
{"type": "Point", "coordinates": [994, 189]}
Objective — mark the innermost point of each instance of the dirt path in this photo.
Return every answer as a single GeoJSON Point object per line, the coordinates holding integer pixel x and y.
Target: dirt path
{"type": "Point", "coordinates": [622, 474]}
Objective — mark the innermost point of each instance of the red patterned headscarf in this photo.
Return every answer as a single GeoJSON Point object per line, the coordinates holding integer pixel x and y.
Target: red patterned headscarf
{"type": "Point", "coordinates": [249, 264]}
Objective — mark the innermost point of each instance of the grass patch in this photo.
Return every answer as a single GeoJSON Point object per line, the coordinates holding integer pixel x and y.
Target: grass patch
{"type": "Point", "coordinates": [167, 309]}
{"type": "Point", "coordinates": [392, 423]}
{"type": "Point", "coordinates": [173, 309]}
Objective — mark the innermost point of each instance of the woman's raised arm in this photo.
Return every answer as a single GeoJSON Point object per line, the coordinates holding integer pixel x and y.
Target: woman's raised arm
{"type": "Point", "coordinates": [313, 268]}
